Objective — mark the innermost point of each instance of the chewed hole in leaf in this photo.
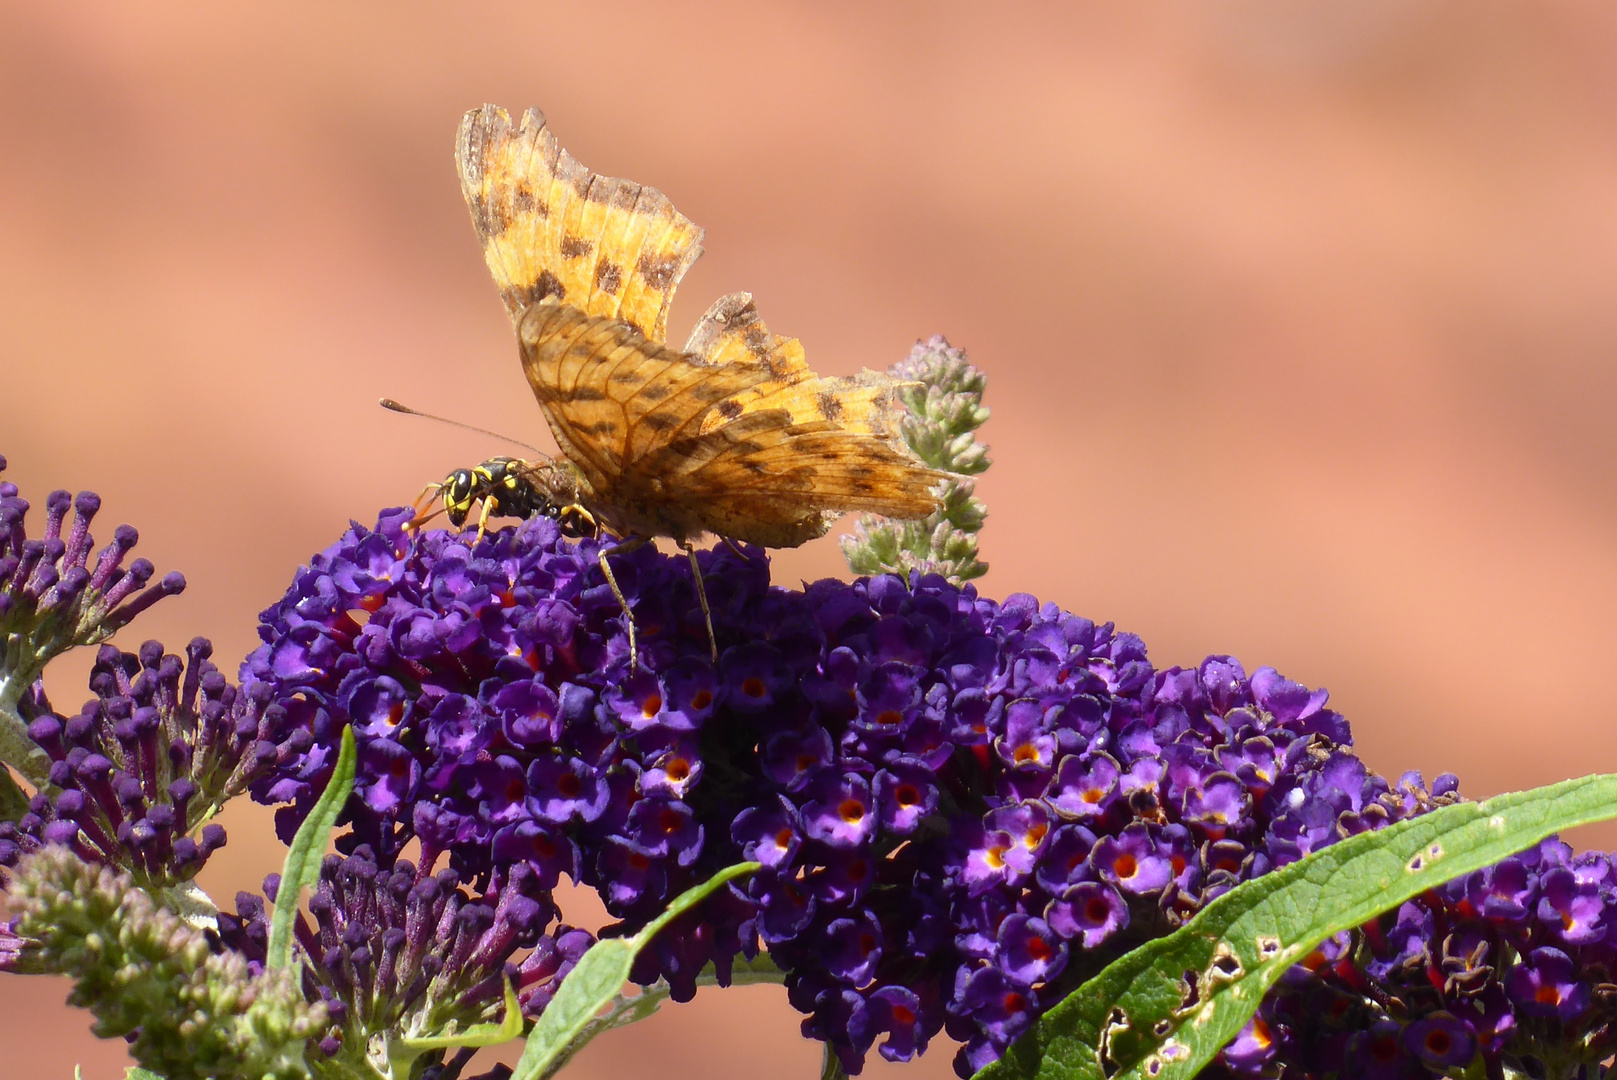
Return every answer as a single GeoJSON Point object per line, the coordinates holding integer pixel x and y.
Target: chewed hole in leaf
{"type": "Point", "coordinates": [1226, 966]}
{"type": "Point", "coordinates": [1190, 994]}
{"type": "Point", "coordinates": [1117, 1023]}
{"type": "Point", "coordinates": [1424, 859]}
{"type": "Point", "coordinates": [1170, 1052]}
{"type": "Point", "coordinates": [1268, 946]}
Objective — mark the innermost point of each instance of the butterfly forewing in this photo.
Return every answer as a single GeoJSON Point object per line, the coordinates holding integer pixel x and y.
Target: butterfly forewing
{"type": "Point", "coordinates": [550, 227]}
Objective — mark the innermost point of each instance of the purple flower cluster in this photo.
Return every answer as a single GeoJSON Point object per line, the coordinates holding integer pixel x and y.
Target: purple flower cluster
{"type": "Point", "coordinates": [964, 808]}
{"type": "Point", "coordinates": [397, 951]}
{"type": "Point", "coordinates": [51, 596]}
{"type": "Point", "coordinates": [1514, 965]}
{"type": "Point", "coordinates": [146, 762]}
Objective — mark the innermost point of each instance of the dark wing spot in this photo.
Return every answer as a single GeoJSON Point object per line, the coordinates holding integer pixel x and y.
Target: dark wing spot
{"type": "Point", "coordinates": [574, 246]}
{"type": "Point", "coordinates": [627, 376]}
{"type": "Point", "coordinates": [608, 277]}
{"type": "Point", "coordinates": [728, 409]}
{"type": "Point", "coordinates": [659, 421]}
{"type": "Point", "coordinates": [830, 406]}
{"type": "Point", "coordinates": [547, 284]}
{"type": "Point", "coordinates": [758, 338]}
{"type": "Point", "coordinates": [524, 201]}
{"type": "Point", "coordinates": [860, 470]}
{"type": "Point", "coordinates": [603, 427]}
{"type": "Point", "coordinates": [658, 271]}
{"type": "Point", "coordinates": [624, 196]}
{"type": "Point", "coordinates": [495, 219]}
{"type": "Point", "coordinates": [654, 391]}
{"type": "Point", "coordinates": [583, 392]}
{"type": "Point", "coordinates": [709, 392]}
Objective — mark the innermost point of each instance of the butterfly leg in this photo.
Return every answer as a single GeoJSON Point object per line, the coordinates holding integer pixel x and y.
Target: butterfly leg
{"type": "Point", "coordinates": [701, 595]}
{"type": "Point", "coordinates": [634, 543]}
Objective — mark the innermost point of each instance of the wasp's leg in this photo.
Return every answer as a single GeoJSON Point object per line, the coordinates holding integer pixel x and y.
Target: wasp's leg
{"type": "Point", "coordinates": [634, 543]}
{"type": "Point", "coordinates": [701, 595]}
{"type": "Point", "coordinates": [482, 517]}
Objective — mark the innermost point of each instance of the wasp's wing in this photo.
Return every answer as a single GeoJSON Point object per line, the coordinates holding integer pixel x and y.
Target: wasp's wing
{"type": "Point", "coordinates": [551, 228]}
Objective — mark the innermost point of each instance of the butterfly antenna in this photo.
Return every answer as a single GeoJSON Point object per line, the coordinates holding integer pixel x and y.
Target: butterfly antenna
{"type": "Point", "coordinates": [389, 403]}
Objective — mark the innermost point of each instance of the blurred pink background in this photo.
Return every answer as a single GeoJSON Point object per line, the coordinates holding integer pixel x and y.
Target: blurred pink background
{"type": "Point", "coordinates": [1299, 317]}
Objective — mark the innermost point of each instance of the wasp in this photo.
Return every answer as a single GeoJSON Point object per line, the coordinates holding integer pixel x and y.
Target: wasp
{"type": "Point", "coordinates": [511, 487]}
{"type": "Point", "coordinates": [506, 487]}
{"type": "Point", "coordinates": [523, 488]}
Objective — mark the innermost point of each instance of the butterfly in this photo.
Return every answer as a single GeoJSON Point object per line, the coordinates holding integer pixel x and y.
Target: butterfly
{"type": "Point", "coordinates": [733, 435]}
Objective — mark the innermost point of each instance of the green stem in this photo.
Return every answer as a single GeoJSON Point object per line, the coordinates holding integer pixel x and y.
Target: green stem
{"type": "Point", "coordinates": [628, 1009]}
{"type": "Point", "coordinates": [16, 748]}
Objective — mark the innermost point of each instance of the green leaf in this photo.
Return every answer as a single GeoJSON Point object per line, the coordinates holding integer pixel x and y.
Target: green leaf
{"type": "Point", "coordinates": [302, 867]}
{"type": "Point", "coordinates": [135, 1072]}
{"type": "Point", "coordinates": [595, 982]}
{"type": "Point", "coordinates": [478, 1034]}
{"type": "Point", "coordinates": [1140, 1020]}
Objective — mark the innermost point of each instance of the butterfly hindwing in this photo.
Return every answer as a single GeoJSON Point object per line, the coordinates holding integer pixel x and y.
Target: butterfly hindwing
{"type": "Point", "coordinates": [612, 397]}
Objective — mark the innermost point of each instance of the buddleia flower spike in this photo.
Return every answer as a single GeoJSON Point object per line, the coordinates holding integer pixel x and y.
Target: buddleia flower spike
{"type": "Point", "coordinates": [188, 1008]}
{"type": "Point", "coordinates": [52, 598]}
{"type": "Point", "coordinates": [944, 395]}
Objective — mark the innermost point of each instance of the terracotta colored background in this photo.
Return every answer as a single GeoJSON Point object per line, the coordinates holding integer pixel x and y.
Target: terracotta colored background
{"type": "Point", "coordinates": [1299, 316]}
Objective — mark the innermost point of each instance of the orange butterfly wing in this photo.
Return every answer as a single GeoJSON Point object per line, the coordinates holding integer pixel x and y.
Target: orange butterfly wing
{"type": "Point", "coordinates": [551, 228]}
{"type": "Point", "coordinates": [736, 435]}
